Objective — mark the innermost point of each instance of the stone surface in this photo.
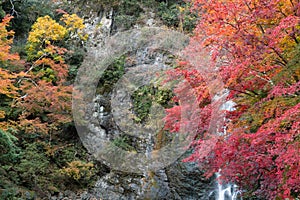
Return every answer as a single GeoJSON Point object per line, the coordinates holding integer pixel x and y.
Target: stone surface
{"type": "Point", "coordinates": [182, 181]}
{"type": "Point", "coordinates": [187, 181]}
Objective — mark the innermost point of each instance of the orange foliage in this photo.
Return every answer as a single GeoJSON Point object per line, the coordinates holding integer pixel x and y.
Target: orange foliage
{"type": "Point", "coordinates": [6, 39]}
{"type": "Point", "coordinates": [40, 95]}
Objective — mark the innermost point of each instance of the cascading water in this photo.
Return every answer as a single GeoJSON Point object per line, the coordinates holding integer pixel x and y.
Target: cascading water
{"type": "Point", "coordinates": [225, 192]}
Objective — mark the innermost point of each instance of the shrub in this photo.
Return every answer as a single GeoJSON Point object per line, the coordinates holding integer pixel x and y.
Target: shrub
{"type": "Point", "coordinates": [79, 170]}
{"type": "Point", "coordinates": [9, 151]}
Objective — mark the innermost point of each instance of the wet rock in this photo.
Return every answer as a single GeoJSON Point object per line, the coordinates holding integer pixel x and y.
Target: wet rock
{"type": "Point", "coordinates": [131, 186]}
{"type": "Point", "coordinates": [156, 186]}
{"type": "Point", "coordinates": [187, 181]}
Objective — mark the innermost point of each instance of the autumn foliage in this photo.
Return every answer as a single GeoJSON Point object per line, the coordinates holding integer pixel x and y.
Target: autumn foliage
{"type": "Point", "coordinates": [39, 94]}
{"type": "Point", "coordinates": [37, 139]}
{"type": "Point", "coordinates": [254, 47]}
{"type": "Point", "coordinates": [7, 79]}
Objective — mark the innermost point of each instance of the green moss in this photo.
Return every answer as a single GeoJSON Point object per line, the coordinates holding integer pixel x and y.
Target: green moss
{"type": "Point", "coordinates": [145, 96]}
{"type": "Point", "coordinates": [111, 75]}
{"type": "Point", "coordinates": [123, 142]}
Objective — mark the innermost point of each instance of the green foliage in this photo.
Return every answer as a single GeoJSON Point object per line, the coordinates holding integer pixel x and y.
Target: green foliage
{"type": "Point", "coordinates": [125, 21]}
{"type": "Point", "coordinates": [42, 166]}
{"type": "Point", "coordinates": [76, 5]}
{"type": "Point", "coordinates": [32, 156]}
{"type": "Point", "coordinates": [9, 152]}
{"type": "Point", "coordinates": [267, 111]}
{"type": "Point", "coordinates": [11, 194]}
{"type": "Point", "coordinates": [19, 47]}
{"type": "Point", "coordinates": [123, 142]}
{"type": "Point", "coordinates": [177, 15]}
{"type": "Point", "coordinates": [169, 14]}
{"type": "Point", "coordinates": [173, 13]}
{"type": "Point", "coordinates": [2, 12]}
{"type": "Point", "coordinates": [65, 153]}
{"type": "Point", "coordinates": [145, 96]}
{"type": "Point", "coordinates": [79, 171]}
{"type": "Point", "coordinates": [291, 73]}
{"type": "Point", "coordinates": [190, 21]}
{"type": "Point", "coordinates": [34, 166]}
{"type": "Point", "coordinates": [74, 59]}
{"type": "Point", "coordinates": [27, 13]}
{"type": "Point", "coordinates": [128, 12]}
{"type": "Point", "coordinates": [111, 75]}
{"type": "Point", "coordinates": [48, 74]}
{"type": "Point", "coordinates": [6, 106]}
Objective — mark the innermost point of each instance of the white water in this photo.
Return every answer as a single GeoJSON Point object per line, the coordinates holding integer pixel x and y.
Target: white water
{"type": "Point", "coordinates": [225, 192]}
{"type": "Point", "coordinates": [228, 191]}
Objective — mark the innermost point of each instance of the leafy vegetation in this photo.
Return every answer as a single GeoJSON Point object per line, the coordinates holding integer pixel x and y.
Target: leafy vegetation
{"type": "Point", "coordinates": [25, 13]}
{"type": "Point", "coordinates": [127, 14]}
{"type": "Point", "coordinates": [9, 151]}
{"type": "Point", "coordinates": [79, 171]}
{"type": "Point", "coordinates": [124, 143]}
{"type": "Point", "coordinates": [145, 96]}
{"type": "Point", "coordinates": [178, 15]}
{"type": "Point", "coordinates": [255, 46]}
{"type": "Point", "coordinates": [39, 150]}
{"type": "Point", "coordinates": [111, 75]}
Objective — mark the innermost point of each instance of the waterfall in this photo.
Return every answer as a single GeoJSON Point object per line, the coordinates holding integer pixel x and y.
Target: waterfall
{"type": "Point", "coordinates": [225, 192]}
{"type": "Point", "coordinates": [228, 191]}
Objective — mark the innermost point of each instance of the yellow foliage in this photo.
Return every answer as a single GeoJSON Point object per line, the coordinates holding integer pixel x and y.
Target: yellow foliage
{"type": "Point", "coordinates": [287, 44]}
{"type": "Point", "coordinates": [2, 114]}
{"type": "Point", "coordinates": [78, 169]}
{"type": "Point", "coordinates": [74, 25]}
{"type": "Point", "coordinates": [44, 31]}
{"type": "Point", "coordinates": [286, 7]}
{"type": "Point", "coordinates": [73, 22]}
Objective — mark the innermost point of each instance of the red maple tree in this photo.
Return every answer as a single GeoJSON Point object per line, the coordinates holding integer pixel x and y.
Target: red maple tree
{"type": "Point", "coordinates": [254, 47]}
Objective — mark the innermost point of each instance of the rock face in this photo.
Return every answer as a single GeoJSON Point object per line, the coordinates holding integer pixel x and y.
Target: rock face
{"type": "Point", "coordinates": [181, 181]}
{"type": "Point", "coordinates": [187, 181]}
{"type": "Point", "coordinates": [178, 180]}
{"type": "Point", "coordinates": [97, 18]}
{"type": "Point", "coordinates": [132, 186]}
